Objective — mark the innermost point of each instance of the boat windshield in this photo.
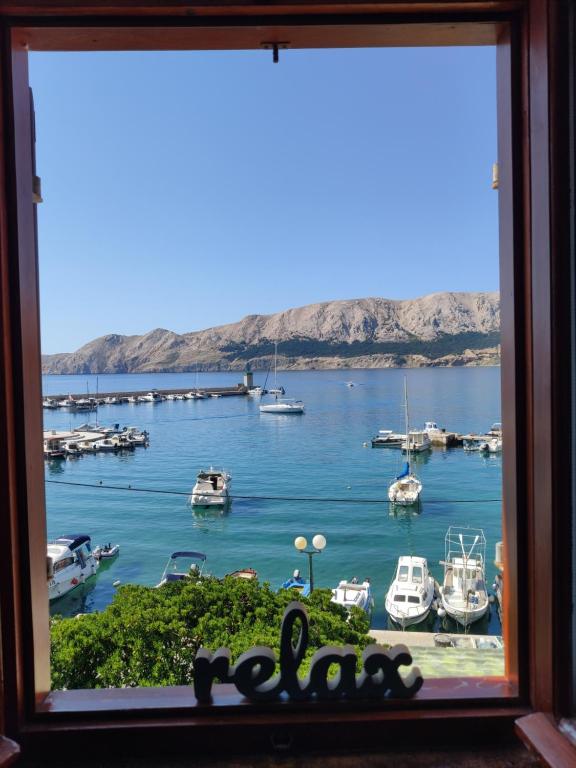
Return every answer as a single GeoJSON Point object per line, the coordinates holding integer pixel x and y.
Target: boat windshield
{"type": "Point", "coordinates": [403, 573]}
{"type": "Point", "coordinates": [417, 574]}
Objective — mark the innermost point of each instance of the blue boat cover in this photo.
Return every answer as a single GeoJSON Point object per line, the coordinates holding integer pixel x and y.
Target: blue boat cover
{"type": "Point", "coordinates": [405, 472]}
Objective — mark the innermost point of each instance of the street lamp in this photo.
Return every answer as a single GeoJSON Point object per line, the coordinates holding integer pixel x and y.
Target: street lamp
{"type": "Point", "coordinates": [318, 544]}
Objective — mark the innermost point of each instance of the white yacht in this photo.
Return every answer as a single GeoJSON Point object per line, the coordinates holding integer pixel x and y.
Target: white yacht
{"type": "Point", "coordinates": [405, 490]}
{"type": "Point", "coordinates": [70, 562]}
{"type": "Point", "coordinates": [283, 405]}
{"type": "Point", "coordinates": [464, 593]}
{"type": "Point", "coordinates": [212, 488]}
{"type": "Point", "coordinates": [411, 594]}
{"type": "Point", "coordinates": [351, 593]}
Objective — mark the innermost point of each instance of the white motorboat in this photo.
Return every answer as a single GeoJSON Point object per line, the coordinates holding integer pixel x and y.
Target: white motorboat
{"type": "Point", "coordinates": [106, 551]}
{"type": "Point", "coordinates": [132, 399]}
{"type": "Point", "coordinates": [67, 402]}
{"type": "Point", "coordinates": [419, 442]}
{"type": "Point", "coordinates": [351, 593]}
{"type": "Point", "coordinates": [72, 448]}
{"type": "Point", "coordinates": [134, 436]}
{"type": "Point", "coordinates": [283, 405]}
{"type": "Point", "coordinates": [496, 429]}
{"type": "Point", "coordinates": [386, 438]}
{"type": "Point", "coordinates": [494, 445]}
{"type": "Point", "coordinates": [405, 490]}
{"type": "Point", "coordinates": [107, 445]}
{"type": "Point", "coordinates": [70, 562]}
{"type": "Point", "coordinates": [471, 444]}
{"type": "Point", "coordinates": [257, 391]}
{"type": "Point", "coordinates": [432, 429]}
{"type": "Point", "coordinates": [276, 390]}
{"type": "Point", "coordinates": [211, 489]}
{"type": "Point", "coordinates": [464, 593]}
{"type": "Point", "coordinates": [111, 400]}
{"type": "Point", "coordinates": [183, 565]}
{"type": "Point", "coordinates": [411, 594]}
{"type": "Point", "coordinates": [48, 402]}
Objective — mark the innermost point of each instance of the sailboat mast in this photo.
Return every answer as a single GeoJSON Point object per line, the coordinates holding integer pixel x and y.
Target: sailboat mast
{"type": "Point", "coordinates": [275, 363]}
{"type": "Point", "coordinates": [406, 424]}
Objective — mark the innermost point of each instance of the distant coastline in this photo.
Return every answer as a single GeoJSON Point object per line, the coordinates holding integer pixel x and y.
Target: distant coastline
{"type": "Point", "coordinates": [440, 330]}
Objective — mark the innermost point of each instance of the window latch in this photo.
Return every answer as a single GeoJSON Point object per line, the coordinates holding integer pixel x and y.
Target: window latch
{"type": "Point", "coordinates": [275, 47]}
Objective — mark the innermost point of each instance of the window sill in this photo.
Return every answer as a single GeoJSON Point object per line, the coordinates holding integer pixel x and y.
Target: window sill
{"type": "Point", "coordinates": [539, 733]}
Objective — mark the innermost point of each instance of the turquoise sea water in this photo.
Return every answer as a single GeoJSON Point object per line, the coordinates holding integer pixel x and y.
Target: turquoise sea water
{"type": "Point", "coordinates": [319, 455]}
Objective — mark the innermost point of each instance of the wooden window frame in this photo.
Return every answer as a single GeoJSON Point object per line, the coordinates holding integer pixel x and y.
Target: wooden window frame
{"type": "Point", "coordinates": [535, 383]}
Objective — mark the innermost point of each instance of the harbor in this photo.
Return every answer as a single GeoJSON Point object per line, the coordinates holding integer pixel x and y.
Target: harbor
{"type": "Point", "coordinates": [292, 475]}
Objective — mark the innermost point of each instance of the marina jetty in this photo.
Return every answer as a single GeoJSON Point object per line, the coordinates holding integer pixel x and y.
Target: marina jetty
{"type": "Point", "coordinates": [100, 397]}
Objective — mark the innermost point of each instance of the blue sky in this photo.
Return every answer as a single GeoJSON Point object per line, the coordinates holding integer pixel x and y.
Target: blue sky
{"type": "Point", "coordinates": [185, 190]}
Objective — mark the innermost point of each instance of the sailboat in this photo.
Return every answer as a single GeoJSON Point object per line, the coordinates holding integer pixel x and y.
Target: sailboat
{"type": "Point", "coordinates": [276, 390]}
{"type": "Point", "coordinates": [406, 488]}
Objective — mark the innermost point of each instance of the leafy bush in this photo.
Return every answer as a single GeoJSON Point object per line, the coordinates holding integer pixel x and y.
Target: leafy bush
{"type": "Point", "coordinates": [149, 637]}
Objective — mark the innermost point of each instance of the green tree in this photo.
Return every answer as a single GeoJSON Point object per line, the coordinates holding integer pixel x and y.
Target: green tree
{"type": "Point", "coordinates": [149, 637]}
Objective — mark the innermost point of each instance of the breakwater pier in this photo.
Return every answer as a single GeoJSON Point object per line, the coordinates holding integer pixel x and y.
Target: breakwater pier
{"type": "Point", "coordinates": [78, 400]}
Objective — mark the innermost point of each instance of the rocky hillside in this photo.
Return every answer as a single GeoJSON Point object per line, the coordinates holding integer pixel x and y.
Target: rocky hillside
{"type": "Point", "coordinates": [439, 329]}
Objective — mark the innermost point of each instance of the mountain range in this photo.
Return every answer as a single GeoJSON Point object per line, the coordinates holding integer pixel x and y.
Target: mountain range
{"type": "Point", "coordinates": [441, 329]}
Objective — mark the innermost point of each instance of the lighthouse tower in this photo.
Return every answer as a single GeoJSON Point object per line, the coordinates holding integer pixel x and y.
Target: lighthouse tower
{"type": "Point", "coordinates": [248, 377]}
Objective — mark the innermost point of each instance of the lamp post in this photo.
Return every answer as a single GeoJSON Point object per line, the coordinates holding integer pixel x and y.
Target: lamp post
{"type": "Point", "coordinates": [318, 544]}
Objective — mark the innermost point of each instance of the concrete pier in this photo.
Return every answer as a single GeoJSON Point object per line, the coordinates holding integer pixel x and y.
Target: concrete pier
{"type": "Point", "coordinates": [239, 389]}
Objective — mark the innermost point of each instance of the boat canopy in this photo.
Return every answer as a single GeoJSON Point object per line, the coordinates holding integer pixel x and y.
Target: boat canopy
{"type": "Point", "coordinates": [197, 555]}
{"type": "Point", "coordinates": [73, 540]}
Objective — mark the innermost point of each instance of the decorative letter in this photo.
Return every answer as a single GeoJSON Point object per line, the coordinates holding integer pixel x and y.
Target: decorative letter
{"type": "Point", "coordinates": [206, 668]}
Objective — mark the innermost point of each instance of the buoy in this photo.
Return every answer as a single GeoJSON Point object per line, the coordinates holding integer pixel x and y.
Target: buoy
{"type": "Point", "coordinates": [365, 445]}
{"type": "Point", "coordinates": [116, 583]}
{"type": "Point", "coordinates": [491, 598]}
{"type": "Point", "coordinates": [441, 612]}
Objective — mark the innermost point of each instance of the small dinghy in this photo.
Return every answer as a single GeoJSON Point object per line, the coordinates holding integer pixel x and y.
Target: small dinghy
{"type": "Point", "coordinates": [411, 594]}
{"type": "Point", "coordinates": [106, 551]}
{"type": "Point", "coordinates": [464, 593]}
{"type": "Point", "coordinates": [183, 565]}
{"type": "Point", "coordinates": [351, 593]}
{"type": "Point", "coordinates": [211, 489]}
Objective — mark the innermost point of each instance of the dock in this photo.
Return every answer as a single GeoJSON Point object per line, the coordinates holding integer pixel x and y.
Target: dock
{"type": "Point", "coordinates": [468, 659]}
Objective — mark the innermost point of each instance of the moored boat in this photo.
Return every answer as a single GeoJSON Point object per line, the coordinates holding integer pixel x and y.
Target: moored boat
{"type": "Point", "coordinates": [70, 562]}
{"type": "Point", "coordinates": [283, 406]}
{"type": "Point", "coordinates": [411, 594]}
{"type": "Point", "coordinates": [406, 488]}
{"type": "Point", "coordinates": [296, 581]}
{"type": "Point", "coordinates": [418, 440]}
{"type": "Point", "coordinates": [249, 574]}
{"type": "Point", "coordinates": [183, 565]}
{"type": "Point", "coordinates": [105, 551]}
{"type": "Point", "coordinates": [386, 438]}
{"type": "Point", "coordinates": [352, 593]}
{"type": "Point", "coordinates": [464, 593]}
{"type": "Point", "coordinates": [212, 488]}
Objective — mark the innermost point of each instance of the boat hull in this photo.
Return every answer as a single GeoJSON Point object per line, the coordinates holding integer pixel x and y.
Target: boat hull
{"type": "Point", "coordinates": [462, 617]}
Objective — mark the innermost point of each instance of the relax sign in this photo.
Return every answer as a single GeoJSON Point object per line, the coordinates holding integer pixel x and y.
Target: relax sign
{"type": "Point", "coordinates": [253, 674]}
